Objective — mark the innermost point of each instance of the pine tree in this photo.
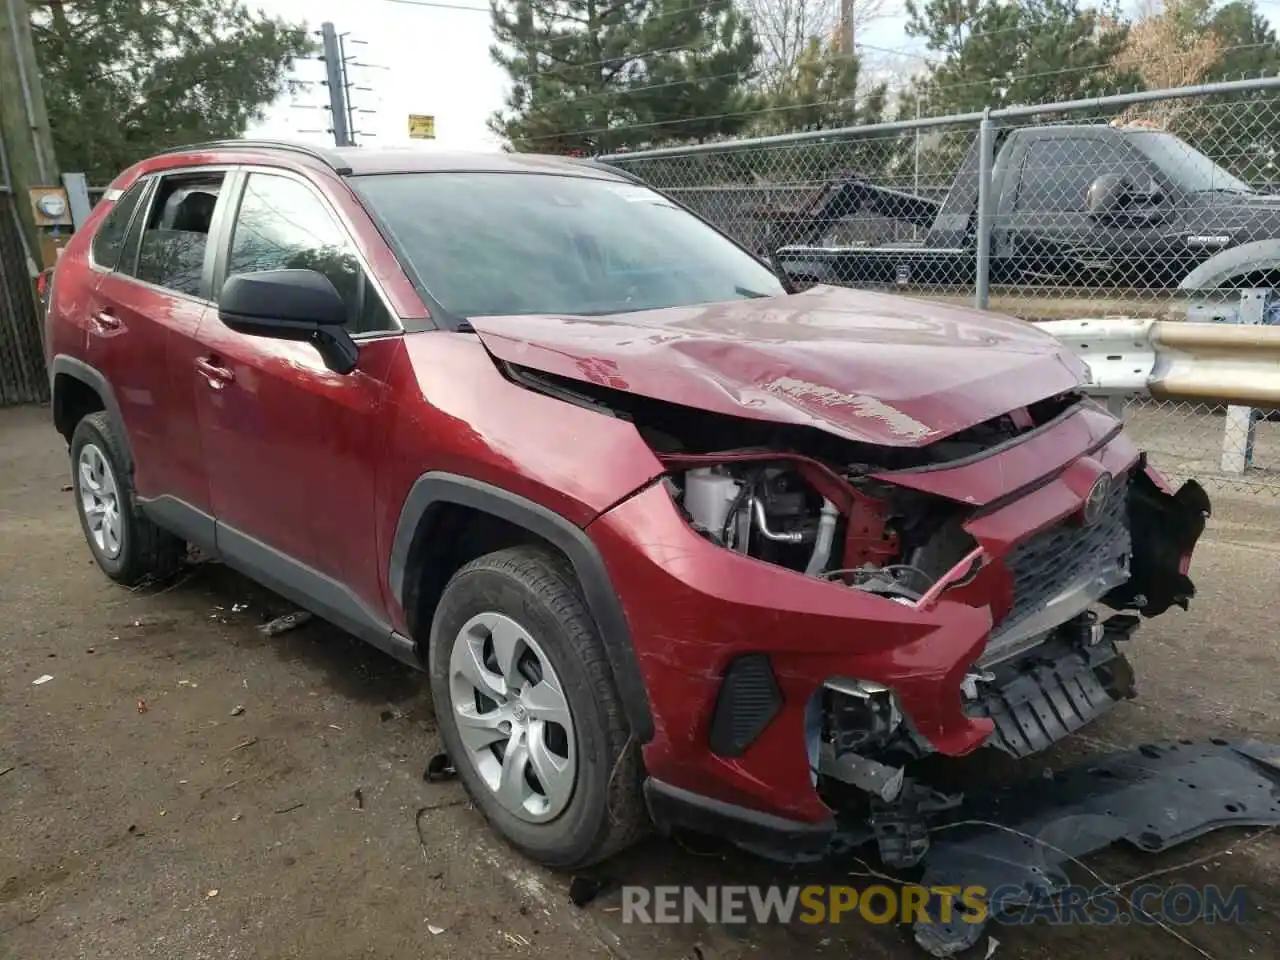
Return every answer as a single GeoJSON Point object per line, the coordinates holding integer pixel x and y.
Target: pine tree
{"type": "Point", "coordinates": [602, 75]}
{"type": "Point", "coordinates": [1001, 52]}
{"type": "Point", "coordinates": [821, 93]}
{"type": "Point", "coordinates": [693, 87]}
{"type": "Point", "coordinates": [1241, 131]}
{"type": "Point", "coordinates": [124, 79]}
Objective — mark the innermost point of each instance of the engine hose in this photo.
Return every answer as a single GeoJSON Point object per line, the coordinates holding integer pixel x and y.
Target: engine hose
{"type": "Point", "coordinates": [822, 545]}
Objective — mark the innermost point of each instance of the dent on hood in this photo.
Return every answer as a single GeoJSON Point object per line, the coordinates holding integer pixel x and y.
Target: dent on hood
{"type": "Point", "coordinates": [868, 368]}
{"type": "Point", "coordinates": [899, 423]}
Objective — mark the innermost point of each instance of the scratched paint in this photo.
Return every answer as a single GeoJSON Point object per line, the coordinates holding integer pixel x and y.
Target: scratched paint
{"type": "Point", "coordinates": [898, 422]}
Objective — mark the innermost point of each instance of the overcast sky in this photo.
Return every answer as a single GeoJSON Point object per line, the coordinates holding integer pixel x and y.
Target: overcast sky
{"type": "Point", "coordinates": [437, 62]}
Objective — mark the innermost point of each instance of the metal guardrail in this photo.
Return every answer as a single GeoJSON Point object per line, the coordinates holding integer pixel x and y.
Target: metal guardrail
{"type": "Point", "coordinates": [1236, 363]}
{"type": "Point", "coordinates": [1030, 245]}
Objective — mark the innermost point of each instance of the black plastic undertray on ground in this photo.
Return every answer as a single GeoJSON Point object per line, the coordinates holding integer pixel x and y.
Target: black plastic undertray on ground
{"type": "Point", "coordinates": [1020, 838]}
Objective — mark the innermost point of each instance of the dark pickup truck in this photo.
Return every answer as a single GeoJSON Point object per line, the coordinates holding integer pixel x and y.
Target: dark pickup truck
{"type": "Point", "coordinates": [1080, 205]}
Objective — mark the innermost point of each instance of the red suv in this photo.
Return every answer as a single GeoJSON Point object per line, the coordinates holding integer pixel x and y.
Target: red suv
{"type": "Point", "coordinates": [675, 544]}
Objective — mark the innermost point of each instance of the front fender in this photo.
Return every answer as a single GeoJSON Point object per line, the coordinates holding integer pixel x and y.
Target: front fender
{"type": "Point", "coordinates": [1257, 257]}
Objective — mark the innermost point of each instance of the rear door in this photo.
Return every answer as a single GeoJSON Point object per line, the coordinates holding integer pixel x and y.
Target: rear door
{"type": "Point", "coordinates": [292, 446]}
{"type": "Point", "coordinates": [142, 337]}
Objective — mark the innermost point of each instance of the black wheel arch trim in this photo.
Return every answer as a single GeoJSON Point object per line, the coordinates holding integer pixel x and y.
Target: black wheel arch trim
{"type": "Point", "coordinates": [597, 587]}
{"type": "Point", "coordinates": [91, 377]}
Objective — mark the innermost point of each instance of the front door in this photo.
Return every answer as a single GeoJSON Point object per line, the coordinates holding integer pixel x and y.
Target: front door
{"type": "Point", "coordinates": [292, 446]}
{"type": "Point", "coordinates": [1050, 234]}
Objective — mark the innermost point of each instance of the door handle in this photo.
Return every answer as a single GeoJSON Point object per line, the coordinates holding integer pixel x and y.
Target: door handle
{"type": "Point", "coordinates": [215, 375]}
{"type": "Point", "coordinates": [105, 320]}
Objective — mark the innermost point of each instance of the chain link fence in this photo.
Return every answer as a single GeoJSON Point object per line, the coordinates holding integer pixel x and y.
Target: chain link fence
{"type": "Point", "coordinates": [1159, 204]}
{"type": "Point", "coordinates": [22, 370]}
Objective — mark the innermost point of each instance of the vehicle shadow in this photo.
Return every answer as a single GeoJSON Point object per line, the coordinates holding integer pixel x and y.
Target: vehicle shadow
{"type": "Point", "coordinates": [352, 668]}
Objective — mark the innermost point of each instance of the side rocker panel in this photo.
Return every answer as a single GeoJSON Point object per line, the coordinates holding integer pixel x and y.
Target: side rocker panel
{"type": "Point", "coordinates": [602, 601]}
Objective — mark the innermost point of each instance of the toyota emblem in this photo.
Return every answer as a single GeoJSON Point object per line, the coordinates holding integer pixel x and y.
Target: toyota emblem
{"type": "Point", "coordinates": [1096, 501]}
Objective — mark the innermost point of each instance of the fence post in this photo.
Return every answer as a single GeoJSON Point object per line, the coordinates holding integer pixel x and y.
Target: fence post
{"type": "Point", "coordinates": [1241, 426]}
{"type": "Point", "coordinates": [982, 282]}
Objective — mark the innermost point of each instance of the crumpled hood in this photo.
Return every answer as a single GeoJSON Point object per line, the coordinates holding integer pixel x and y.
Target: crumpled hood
{"type": "Point", "coordinates": [870, 367]}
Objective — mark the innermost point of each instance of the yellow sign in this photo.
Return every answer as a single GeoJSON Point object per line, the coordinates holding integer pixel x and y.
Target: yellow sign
{"type": "Point", "coordinates": [422, 127]}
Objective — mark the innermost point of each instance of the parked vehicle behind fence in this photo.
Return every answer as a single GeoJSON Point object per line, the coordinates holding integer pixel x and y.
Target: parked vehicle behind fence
{"type": "Point", "coordinates": [1088, 205]}
{"type": "Point", "coordinates": [674, 545]}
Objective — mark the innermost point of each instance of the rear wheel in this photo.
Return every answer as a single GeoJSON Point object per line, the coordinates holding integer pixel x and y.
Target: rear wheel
{"type": "Point", "coordinates": [127, 546]}
{"type": "Point", "coordinates": [529, 711]}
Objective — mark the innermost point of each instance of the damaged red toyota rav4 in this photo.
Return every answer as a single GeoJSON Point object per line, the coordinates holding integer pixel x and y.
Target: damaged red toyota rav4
{"type": "Point", "coordinates": [675, 545]}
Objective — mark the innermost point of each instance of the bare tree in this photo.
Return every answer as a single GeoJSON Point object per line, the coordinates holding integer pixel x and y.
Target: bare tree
{"type": "Point", "coordinates": [785, 27]}
{"type": "Point", "coordinates": [1169, 46]}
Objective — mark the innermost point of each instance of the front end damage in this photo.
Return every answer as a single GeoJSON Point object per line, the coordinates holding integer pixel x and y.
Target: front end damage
{"type": "Point", "coordinates": [831, 587]}
{"type": "Point", "coordinates": [815, 628]}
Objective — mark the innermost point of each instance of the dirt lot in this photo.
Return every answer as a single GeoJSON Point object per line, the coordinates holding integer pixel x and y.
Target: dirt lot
{"type": "Point", "coordinates": [179, 830]}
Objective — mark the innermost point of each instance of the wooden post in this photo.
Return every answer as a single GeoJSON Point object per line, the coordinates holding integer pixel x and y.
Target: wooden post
{"type": "Point", "coordinates": [24, 125]}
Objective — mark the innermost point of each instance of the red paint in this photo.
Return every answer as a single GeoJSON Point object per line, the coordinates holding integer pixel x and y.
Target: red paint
{"type": "Point", "coordinates": [450, 409]}
{"type": "Point", "coordinates": [139, 336]}
{"type": "Point", "coordinates": [317, 465]}
{"type": "Point", "coordinates": [304, 440]}
{"type": "Point", "coordinates": [1024, 464]}
{"type": "Point", "coordinates": [866, 366]}
{"type": "Point", "coordinates": [699, 606]}
{"type": "Point", "coordinates": [865, 539]}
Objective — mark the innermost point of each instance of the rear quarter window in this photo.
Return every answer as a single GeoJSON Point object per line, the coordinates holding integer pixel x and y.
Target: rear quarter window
{"type": "Point", "coordinates": [109, 240]}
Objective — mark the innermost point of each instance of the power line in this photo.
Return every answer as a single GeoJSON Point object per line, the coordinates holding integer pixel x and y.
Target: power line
{"type": "Point", "coordinates": [437, 4]}
{"type": "Point", "coordinates": [931, 89]}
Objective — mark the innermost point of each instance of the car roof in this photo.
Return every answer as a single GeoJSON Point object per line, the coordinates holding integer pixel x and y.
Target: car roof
{"type": "Point", "coordinates": [371, 161]}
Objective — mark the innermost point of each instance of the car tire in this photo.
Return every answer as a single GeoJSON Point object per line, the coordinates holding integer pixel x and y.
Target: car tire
{"type": "Point", "coordinates": [127, 546]}
{"type": "Point", "coordinates": [523, 604]}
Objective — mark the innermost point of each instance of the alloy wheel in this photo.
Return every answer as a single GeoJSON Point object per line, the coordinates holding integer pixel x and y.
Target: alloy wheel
{"type": "Point", "coordinates": [513, 717]}
{"type": "Point", "coordinates": [100, 500]}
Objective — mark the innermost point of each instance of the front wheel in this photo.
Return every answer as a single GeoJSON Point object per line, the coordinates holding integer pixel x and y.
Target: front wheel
{"type": "Point", "coordinates": [529, 711]}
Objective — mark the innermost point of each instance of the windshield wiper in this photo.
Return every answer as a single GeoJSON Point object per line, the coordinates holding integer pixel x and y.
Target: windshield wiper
{"type": "Point", "coordinates": [750, 294]}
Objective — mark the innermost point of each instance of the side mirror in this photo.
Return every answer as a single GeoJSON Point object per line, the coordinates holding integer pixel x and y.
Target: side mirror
{"type": "Point", "coordinates": [1107, 195]}
{"type": "Point", "coordinates": [300, 305]}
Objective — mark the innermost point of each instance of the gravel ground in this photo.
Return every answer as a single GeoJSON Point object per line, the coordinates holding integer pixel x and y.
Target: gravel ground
{"type": "Point", "coordinates": [186, 787]}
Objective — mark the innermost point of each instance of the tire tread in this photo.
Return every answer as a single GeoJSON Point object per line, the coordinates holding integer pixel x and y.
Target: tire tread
{"type": "Point", "coordinates": [550, 579]}
{"type": "Point", "coordinates": [154, 552]}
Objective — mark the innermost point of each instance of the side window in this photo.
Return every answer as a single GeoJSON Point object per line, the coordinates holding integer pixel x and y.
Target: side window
{"type": "Point", "coordinates": [283, 225]}
{"type": "Point", "coordinates": [109, 239]}
{"type": "Point", "coordinates": [1057, 172]}
{"type": "Point", "coordinates": [174, 238]}
{"type": "Point", "coordinates": [128, 262]}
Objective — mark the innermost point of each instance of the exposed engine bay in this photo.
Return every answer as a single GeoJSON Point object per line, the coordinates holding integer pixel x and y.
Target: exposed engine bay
{"type": "Point", "coordinates": [1051, 665]}
{"type": "Point", "coordinates": [829, 508]}
{"type": "Point", "coordinates": [769, 511]}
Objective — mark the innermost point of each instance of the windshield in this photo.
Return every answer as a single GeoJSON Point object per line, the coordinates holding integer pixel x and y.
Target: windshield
{"type": "Point", "coordinates": [487, 244]}
{"type": "Point", "coordinates": [1185, 165]}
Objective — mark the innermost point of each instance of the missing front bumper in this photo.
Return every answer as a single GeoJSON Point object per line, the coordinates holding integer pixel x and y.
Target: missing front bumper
{"type": "Point", "coordinates": [1036, 704]}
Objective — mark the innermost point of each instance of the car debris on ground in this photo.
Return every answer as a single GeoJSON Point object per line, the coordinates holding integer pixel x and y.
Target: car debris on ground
{"type": "Point", "coordinates": [290, 621]}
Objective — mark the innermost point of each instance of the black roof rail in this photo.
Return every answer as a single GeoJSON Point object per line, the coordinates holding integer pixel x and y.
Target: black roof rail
{"type": "Point", "coordinates": [328, 157]}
